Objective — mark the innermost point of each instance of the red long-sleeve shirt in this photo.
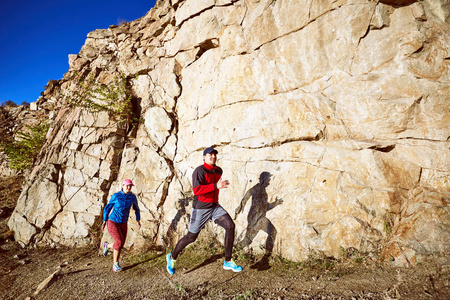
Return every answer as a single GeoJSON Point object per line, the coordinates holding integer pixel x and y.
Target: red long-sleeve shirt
{"type": "Point", "coordinates": [204, 179]}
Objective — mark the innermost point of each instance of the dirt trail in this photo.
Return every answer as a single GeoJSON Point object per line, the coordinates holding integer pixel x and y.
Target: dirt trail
{"type": "Point", "coordinates": [85, 274]}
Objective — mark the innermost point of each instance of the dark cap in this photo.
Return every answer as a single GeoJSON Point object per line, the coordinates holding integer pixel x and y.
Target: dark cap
{"type": "Point", "coordinates": [209, 150]}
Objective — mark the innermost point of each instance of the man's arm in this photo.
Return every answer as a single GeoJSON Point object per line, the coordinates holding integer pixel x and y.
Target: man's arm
{"type": "Point", "coordinates": [199, 184]}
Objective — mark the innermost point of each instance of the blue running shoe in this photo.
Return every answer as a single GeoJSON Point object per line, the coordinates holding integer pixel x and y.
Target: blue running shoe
{"type": "Point", "coordinates": [105, 248]}
{"type": "Point", "coordinates": [231, 265]}
{"type": "Point", "coordinates": [116, 267]}
{"type": "Point", "coordinates": [170, 264]}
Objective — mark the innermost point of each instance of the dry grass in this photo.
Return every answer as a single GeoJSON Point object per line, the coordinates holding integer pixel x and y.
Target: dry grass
{"type": "Point", "coordinates": [10, 188]}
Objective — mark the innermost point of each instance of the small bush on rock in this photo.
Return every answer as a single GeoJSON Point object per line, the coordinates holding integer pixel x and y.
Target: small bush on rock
{"type": "Point", "coordinates": [22, 151]}
{"type": "Point", "coordinates": [114, 98]}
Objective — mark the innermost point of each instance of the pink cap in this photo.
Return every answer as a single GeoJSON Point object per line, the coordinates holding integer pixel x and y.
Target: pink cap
{"type": "Point", "coordinates": [127, 182]}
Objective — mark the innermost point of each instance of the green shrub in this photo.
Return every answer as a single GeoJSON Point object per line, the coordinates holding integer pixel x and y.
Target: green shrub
{"type": "Point", "coordinates": [114, 98]}
{"type": "Point", "coordinates": [23, 151]}
{"type": "Point", "coordinates": [387, 224]}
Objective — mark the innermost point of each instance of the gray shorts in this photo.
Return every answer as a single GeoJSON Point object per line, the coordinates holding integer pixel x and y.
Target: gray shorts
{"type": "Point", "coordinates": [200, 217]}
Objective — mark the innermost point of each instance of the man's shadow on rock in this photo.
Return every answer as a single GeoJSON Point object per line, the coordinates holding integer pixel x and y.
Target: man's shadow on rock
{"type": "Point", "coordinates": [257, 220]}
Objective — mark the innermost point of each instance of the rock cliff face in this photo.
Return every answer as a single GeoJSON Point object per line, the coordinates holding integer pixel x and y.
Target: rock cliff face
{"type": "Point", "coordinates": [332, 121]}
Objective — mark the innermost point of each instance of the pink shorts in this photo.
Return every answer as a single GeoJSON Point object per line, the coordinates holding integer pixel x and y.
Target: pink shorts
{"type": "Point", "coordinates": [118, 231]}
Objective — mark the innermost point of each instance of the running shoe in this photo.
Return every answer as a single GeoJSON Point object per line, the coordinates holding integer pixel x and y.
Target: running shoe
{"type": "Point", "coordinates": [170, 264]}
{"type": "Point", "coordinates": [116, 267]}
{"type": "Point", "coordinates": [105, 248]}
{"type": "Point", "coordinates": [231, 265]}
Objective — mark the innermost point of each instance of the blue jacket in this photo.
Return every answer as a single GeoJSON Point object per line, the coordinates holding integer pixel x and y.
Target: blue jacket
{"type": "Point", "coordinates": [121, 203]}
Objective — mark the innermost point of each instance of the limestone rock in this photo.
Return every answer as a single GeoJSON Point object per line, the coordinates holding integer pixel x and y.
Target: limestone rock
{"type": "Point", "coordinates": [331, 122]}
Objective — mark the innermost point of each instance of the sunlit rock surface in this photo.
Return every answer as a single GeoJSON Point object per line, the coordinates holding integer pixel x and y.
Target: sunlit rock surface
{"type": "Point", "coordinates": [331, 118]}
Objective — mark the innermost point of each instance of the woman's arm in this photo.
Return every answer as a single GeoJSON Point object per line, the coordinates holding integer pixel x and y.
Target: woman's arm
{"type": "Point", "coordinates": [108, 208]}
{"type": "Point", "coordinates": [137, 211]}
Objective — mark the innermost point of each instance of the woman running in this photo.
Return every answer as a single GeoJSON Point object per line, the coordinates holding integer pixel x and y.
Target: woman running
{"type": "Point", "coordinates": [117, 222]}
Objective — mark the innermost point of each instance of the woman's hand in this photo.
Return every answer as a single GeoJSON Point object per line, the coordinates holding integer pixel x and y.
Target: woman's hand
{"type": "Point", "coordinates": [103, 225]}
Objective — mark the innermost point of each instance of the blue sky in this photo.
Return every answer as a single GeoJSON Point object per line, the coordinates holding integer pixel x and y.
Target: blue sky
{"type": "Point", "coordinates": [36, 37]}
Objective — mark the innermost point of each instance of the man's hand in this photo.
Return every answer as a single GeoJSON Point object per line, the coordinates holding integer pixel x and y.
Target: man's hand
{"type": "Point", "coordinates": [222, 184]}
{"type": "Point", "coordinates": [139, 224]}
{"type": "Point", "coordinates": [103, 225]}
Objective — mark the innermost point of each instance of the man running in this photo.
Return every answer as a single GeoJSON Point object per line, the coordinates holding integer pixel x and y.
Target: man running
{"type": "Point", "coordinates": [206, 182]}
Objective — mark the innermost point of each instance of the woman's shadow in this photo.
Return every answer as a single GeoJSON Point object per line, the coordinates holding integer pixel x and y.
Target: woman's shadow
{"type": "Point", "coordinates": [171, 235]}
{"type": "Point", "coordinates": [257, 220]}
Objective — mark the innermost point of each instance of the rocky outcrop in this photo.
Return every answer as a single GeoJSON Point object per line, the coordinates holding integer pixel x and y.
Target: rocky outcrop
{"type": "Point", "coordinates": [331, 119]}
